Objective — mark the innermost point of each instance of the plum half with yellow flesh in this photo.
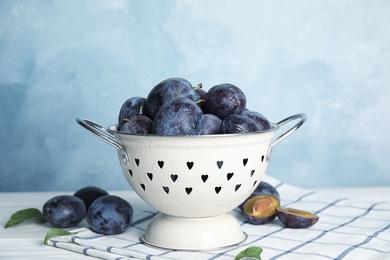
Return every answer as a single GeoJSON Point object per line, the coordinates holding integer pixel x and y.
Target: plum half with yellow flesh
{"type": "Point", "coordinates": [262, 188]}
{"type": "Point", "coordinates": [294, 218]}
{"type": "Point", "coordinates": [261, 209]}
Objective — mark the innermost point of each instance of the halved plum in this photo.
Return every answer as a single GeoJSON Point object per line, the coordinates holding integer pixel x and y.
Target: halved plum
{"type": "Point", "coordinates": [295, 218]}
{"type": "Point", "coordinates": [262, 188]}
{"type": "Point", "coordinates": [261, 209]}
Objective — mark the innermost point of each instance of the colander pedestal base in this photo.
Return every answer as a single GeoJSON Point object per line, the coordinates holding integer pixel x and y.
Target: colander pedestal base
{"type": "Point", "coordinates": [179, 233]}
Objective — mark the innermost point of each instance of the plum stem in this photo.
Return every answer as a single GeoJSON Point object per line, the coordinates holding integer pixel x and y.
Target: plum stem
{"type": "Point", "coordinates": [198, 86]}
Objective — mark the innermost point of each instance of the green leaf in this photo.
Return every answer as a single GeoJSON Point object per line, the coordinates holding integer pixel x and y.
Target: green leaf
{"type": "Point", "coordinates": [24, 215]}
{"type": "Point", "coordinates": [253, 252]}
{"type": "Point", "coordinates": [55, 232]}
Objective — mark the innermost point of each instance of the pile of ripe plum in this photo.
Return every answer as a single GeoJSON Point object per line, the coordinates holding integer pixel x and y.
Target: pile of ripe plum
{"type": "Point", "coordinates": [105, 214]}
{"type": "Point", "coordinates": [175, 107]}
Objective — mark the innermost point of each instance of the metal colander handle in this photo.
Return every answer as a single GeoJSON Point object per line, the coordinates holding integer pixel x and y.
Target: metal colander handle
{"type": "Point", "coordinates": [103, 134]}
{"type": "Point", "coordinates": [301, 117]}
{"type": "Point", "coordinates": [100, 132]}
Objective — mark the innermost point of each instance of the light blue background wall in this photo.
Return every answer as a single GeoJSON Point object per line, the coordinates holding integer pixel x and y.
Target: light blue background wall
{"type": "Point", "coordinates": [65, 59]}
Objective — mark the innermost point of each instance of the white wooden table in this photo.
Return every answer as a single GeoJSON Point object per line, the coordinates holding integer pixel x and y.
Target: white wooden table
{"type": "Point", "coordinates": [25, 241]}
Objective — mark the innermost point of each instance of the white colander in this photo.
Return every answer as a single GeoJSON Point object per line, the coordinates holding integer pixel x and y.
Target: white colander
{"type": "Point", "coordinates": [193, 181]}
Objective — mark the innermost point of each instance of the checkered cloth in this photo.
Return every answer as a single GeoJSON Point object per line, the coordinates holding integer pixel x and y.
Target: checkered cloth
{"type": "Point", "coordinates": [347, 229]}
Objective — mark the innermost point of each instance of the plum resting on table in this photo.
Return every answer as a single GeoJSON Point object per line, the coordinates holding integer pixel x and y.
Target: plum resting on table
{"type": "Point", "coordinates": [261, 209]}
{"type": "Point", "coordinates": [64, 211]}
{"type": "Point", "coordinates": [263, 188]}
{"type": "Point", "coordinates": [294, 218]}
{"type": "Point", "coordinates": [89, 194]}
{"type": "Point", "coordinates": [110, 215]}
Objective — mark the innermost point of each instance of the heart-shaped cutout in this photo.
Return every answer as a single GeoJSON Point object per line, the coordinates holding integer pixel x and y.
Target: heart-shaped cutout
{"type": "Point", "coordinates": [254, 183]}
{"type": "Point", "coordinates": [131, 173]}
{"type": "Point", "coordinates": [262, 158]}
{"type": "Point", "coordinates": [204, 177]}
{"type": "Point", "coordinates": [166, 189]}
{"type": "Point", "coordinates": [237, 187]}
{"type": "Point", "coordinates": [150, 175]}
{"type": "Point", "coordinates": [136, 161]}
{"type": "Point", "coordinates": [252, 172]}
{"type": "Point", "coordinates": [190, 165]}
{"type": "Point", "coordinates": [218, 189]}
{"type": "Point", "coordinates": [219, 164]}
{"type": "Point", "coordinates": [160, 164]}
{"type": "Point", "coordinates": [174, 177]}
{"type": "Point", "coordinates": [229, 176]}
{"type": "Point", "coordinates": [142, 186]}
{"type": "Point", "coordinates": [188, 190]}
{"type": "Point", "coordinates": [245, 161]}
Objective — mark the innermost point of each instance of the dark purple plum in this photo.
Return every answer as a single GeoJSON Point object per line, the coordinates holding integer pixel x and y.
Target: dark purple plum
{"type": "Point", "coordinates": [167, 91]}
{"type": "Point", "coordinates": [131, 107]}
{"type": "Point", "coordinates": [200, 91]}
{"type": "Point", "coordinates": [294, 218]}
{"type": "Point", "coordinates": [259, 119]}
{"type": "Point", "coordinates": [64, 211]}
{"type": "Point", "coordinates": [89, 194]}
{"type": "Point", "coordinates": [261, 209]}
{"type": "Point", "coordinates": [138, 124]}
{"type": "Point", "coordinates": [237, 123]}
{"type": "Point", "coordinates": [181, 116]}
{"type": "Point", "coordinates": [266, 188]}
{"type": "Point", "coordinates": [225, 99]}
{"type": "Point", "coordinates": [110, 215]}
{"type": "Point", "coordinates": [202, 95]}
{"type": "Point", "coordinates": [211, 124]}
{"type": "Point", "coordinates": [263, 188]}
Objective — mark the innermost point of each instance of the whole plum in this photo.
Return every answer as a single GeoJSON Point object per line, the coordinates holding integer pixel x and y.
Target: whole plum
{"type": "Point", "coordinates": [64, 211]}
{"type": "Point", "coordinates": [237, 123]}
{"type": "Point", "coordinates": [225, 99]}
{"type": "Point", "coordinates": [110, 215]}
{"type": "Point", "coordinates": [138, 124]}
{"type": "Point", "coordinates": [181, 116]}
{"type": "Point", "coordinates": [168, 90]}
{"type": "Point", "coordinates": [259, 119]}
{"type": "Point", "coordinates": [202, 94]}
{"type": "Point", "coordinates": [211, 124]}
{"type": "Point", "coordinates": [132, 107]}
{"type": "Point", "coordinates": [89, 194]}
